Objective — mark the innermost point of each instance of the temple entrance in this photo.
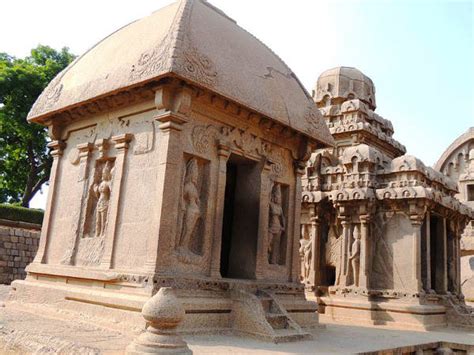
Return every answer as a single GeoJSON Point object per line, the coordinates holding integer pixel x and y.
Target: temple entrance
{"type": "Point", "coordinates": [240, 221]}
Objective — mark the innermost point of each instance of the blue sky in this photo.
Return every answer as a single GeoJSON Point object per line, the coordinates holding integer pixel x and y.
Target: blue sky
{"type": "Point", "coordinates": [420, 54]}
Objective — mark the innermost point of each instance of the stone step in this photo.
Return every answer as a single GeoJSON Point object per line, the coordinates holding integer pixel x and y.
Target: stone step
{"type": "Point", "coordinates": [289, 335]}
{"type": "Point", "coordinates": [267, 304]}
{"type": "Point", "coordinates": [277, 321]}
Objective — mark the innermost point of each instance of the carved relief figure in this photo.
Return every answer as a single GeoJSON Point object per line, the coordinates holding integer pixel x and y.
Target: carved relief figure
{"type": "Point", "coordinates": [276, 226]}
{"type": "Point", "coordinates": [191, 204]}
{"type": "Point", "coordinates": [306, 245]}
{"type": "Point", "coordinates": [102, 191]}
{"type": "Point", "coordinates": [355, 256]}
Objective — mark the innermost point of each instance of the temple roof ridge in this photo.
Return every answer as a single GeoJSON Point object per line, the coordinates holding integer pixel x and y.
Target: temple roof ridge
{"type": "Point", "coordinates": [196, 42]}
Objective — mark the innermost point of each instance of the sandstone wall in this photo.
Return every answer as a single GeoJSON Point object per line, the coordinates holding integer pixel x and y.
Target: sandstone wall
{"type": "Point", "coordinates": [18, 245]}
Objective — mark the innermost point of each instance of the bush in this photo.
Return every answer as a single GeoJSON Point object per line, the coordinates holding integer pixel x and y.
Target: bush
{"type": "Point", "coordinates": [21, 214]}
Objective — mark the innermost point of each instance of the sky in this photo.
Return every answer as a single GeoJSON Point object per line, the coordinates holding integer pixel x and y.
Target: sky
{"type": "Point", "coordinates": [419, 53]}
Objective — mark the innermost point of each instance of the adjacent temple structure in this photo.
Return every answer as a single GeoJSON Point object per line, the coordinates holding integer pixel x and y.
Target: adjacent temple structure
{"type": "Point", "coordinates": [380, 230]}
{"type": "Point", "coordinates": [457, 162]}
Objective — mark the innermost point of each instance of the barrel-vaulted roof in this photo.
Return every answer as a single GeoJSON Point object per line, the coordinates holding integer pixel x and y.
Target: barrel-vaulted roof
{"type": "Point", "coordinates": [197, 42]}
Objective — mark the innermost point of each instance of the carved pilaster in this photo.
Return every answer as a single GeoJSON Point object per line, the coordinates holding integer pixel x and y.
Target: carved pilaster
{"type": "Point", "coordinates": [85, 150]}
{"type": "Point", "coordinates": [223, 153]}
{"type": "Point", "coordinates": [293, 238]}
{"type": "Point", "coordinates": [364, 251]}
{"type": "Point", "coordinates": [444, 285]}
{"type": "Point", "coordinates": [427, 237]}
{"type": "Point", "coordinates": [344, 260]}
{"type": "Point", "coordinates": [262, 242]}
{"type": "Point", "coordinates": [416, 282]}
{"type": "Point", "coordinates": [121, 145]}
{"type": "Point", "coordinates": [57, 148]}
{"type": "Point", "coordinates": [173, 104]}
{"type": "Point", "coordinates": [315, 271]}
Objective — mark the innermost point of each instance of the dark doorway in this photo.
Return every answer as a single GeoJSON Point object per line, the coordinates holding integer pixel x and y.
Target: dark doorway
{"type": "Point", "coordinates": [240, 221]}
{"type": "Point", "coordinates": [437, 254]}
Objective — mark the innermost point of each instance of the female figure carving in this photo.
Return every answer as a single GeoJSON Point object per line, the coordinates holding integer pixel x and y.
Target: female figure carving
{"type": "Point", "coordinates": [355, 257]}
{"type": "Point", "coordinates": [276, 225]}
{"type": "Point", "coordinates": [102, 192]}
{"type": "Point", "coordinates": [191, 204]}
{"type": "Point", "coordinates": [306, 245]}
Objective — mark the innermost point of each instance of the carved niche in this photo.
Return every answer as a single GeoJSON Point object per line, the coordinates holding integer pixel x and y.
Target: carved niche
{"type": "Point", "coordinates": [276, 226]}
{"type": "Point", "coordinates": [192, 210]}
{"type": "Point", "coordinates": [333, 253]}
{"type": "Point", "coordinates": [305, 251]}
{"type": "Point", "coordinates": [92, 241]}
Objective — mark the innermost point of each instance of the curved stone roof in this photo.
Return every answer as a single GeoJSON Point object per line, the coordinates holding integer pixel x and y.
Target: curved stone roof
{"type": "Point", "coordinates": [460, 141]}
{"type": "Point", "coordinates": [195, 41]}
{"type": "Point", "coordinates": [345, 83]}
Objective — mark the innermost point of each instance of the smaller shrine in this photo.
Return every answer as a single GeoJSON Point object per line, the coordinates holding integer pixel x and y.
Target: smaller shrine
{"type": "Point", "coordinates": [457, 162]}
{"type": "Point", "coordinates": [380, 230]}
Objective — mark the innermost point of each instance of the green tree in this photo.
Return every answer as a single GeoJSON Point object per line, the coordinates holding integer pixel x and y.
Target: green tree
{"type": "Point", "coordinates": [24, 161]}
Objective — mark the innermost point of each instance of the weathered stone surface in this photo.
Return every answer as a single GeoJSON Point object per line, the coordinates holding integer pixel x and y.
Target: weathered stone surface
{"type": "Point", "coordinates": [190, 179]}
{"type": "Point", "coordinates": [196, 41]}
{"type": "Point", "coordinates": [457, 162]}
{"type": "Point", "coordinates": [381, 230]}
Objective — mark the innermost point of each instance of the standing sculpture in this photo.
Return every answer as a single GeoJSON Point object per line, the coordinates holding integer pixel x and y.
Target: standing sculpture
{"type": "Point", "coordinates": [102, 191]}
{"type": "Point", "coordinates": [276, 226]}
{"type": "Point", "coordinates": [306, 245]}
{"type": "Point", "coordinates": [191, 205]}
{"type": "Point", "coordinates": [355, 256]}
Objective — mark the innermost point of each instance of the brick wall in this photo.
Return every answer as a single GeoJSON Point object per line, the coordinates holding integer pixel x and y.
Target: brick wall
{"type": "Point", "coordinates": [18, 245]}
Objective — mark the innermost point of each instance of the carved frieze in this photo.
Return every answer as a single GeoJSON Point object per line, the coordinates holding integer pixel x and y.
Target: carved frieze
{"type": "Point", "coordinates": [198, 67]}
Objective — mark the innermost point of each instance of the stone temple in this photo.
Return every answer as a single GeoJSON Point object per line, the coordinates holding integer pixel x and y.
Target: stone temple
{"type": "Point", "coordinates": [380, 230]}
{"type": "Point", "coordinates": [457, 162]}
{"type": "Point", "coordinates": [180, 142]}
{"type": "Point", "coordinates": [187, 155]}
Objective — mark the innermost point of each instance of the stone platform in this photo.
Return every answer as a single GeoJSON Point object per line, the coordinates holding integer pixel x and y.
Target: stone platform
{"type": "Point", "coordinates": [23, 330]}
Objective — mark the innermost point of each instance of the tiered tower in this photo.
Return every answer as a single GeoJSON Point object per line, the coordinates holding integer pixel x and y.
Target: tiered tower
{"type": "Point", "coordinates": [381, 231]}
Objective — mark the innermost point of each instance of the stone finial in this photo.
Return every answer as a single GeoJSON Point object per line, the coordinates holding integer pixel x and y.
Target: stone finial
{"type": "Point", "coordinates": [163, 313]}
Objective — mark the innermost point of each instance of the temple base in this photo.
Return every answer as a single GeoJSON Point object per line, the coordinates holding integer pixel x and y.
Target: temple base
{"type": "Point", "coordinates": [209, 309]}
{"type": "Point", "coordinates": [394, 314]}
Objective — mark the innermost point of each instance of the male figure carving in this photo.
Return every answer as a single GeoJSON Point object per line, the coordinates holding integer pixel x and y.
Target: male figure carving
{"type": "Point", "coordinates": [276, 225]}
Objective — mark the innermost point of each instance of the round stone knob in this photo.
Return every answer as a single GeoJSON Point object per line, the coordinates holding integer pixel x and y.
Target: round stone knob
{"type": "Point", "coordinates": [163, 313]}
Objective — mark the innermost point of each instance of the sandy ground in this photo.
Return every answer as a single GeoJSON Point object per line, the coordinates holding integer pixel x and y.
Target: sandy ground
{"type": "Point", "coordinates": [22, 330]}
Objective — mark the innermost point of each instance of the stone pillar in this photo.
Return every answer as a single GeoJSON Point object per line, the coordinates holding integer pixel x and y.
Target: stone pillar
{"type": "Point", "coordinates": [121, 145]}
{"type": "Point", "coordinates": [263, 240]}
{"type": "Point", "coordinates": [344, 261]}
{"type": "Point", "coordinates": [444, 286]}
{"type": "Point", "coordinates": [223, 153]}
{"type": "Point", "coordinates": [173, 102]}
{"type": "Point", "coordinates": [428, 251]}
{"type": "Point", "coordinates": [167, 199]}
{"type": "Point", "coordinates": [416, 282]}
{"type": "Point", "coordinates": [293, 238]}
{"type": "Point", "coordinates": [85, 150]}
{"type": "Point", "coordinates": [457, 244]}
{"type": "Point", "coordinates": [364, 251]}
{"type": "Point", "coordinates": [57, 148]}
{"type": "Point", "coordinates": [315, 270]}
